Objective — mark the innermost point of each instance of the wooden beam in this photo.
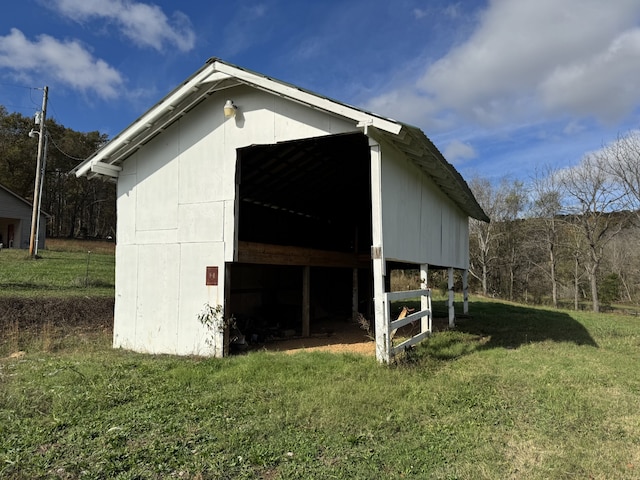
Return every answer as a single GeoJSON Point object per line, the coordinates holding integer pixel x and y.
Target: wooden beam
{"type": "Point", "coordinates": [267, 254]}
{"type": "Point", "coordinates": [306, 300]}
{"type": "Point", "coordinates": [452, 312]}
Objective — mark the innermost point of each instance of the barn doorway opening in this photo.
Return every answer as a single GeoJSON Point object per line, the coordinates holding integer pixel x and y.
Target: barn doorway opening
{"type": "Point", "coordinates": [304, 236]}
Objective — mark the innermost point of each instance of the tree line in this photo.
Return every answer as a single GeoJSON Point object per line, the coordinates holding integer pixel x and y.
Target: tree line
{"type": "Point", "coordinates": [76, 207]}
{"type": "Point", "coordinates": [567, 237]}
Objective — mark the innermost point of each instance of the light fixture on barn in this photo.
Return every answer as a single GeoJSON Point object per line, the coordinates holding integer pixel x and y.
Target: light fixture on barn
{"type": "Point", "coordinates": [230, 109]}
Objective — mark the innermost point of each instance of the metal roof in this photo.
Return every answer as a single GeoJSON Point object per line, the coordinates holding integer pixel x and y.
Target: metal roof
{"type": "Point", "coordinates": [217, 75]}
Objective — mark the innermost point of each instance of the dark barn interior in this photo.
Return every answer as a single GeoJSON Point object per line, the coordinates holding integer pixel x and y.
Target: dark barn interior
{"type": "Point", "coordinates": [303, 203]}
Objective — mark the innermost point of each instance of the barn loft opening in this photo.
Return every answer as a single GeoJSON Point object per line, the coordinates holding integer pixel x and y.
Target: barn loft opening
{"type": "Point", "coordinates": [309, 193]}
{"type": "Point", "coordinates": [302, 204]}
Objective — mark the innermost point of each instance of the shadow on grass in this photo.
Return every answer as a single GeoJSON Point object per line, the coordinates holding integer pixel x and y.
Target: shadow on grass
{"type": "Point", "coordinates": [493, 325]}
{"type": "Point", "coordinates": [506, 325]}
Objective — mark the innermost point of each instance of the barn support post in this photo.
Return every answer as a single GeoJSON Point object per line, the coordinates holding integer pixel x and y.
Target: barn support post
{"type": "Point", "coordinates": [354, 294]}
{"type": "Point", "coordinates": [425, 322]}
{"type": "Point", "coordinates": [452, 313]}
{"type": "Point", "coordinates": [465, 291]}
{"type": "Point", "coordinates": [306, 298]}
{"type": "Point", "coordinates": [383, 342]}
{"type": "Point", "coordinates": [226, 302]}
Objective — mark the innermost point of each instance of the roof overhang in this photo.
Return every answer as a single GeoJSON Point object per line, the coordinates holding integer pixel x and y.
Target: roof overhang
{"type": "Point", "coordinates": [213, 77]}
{"type": "Point", "coordinates": [417, 147]}
{"type": "Point", "coordinates": [216, 76]}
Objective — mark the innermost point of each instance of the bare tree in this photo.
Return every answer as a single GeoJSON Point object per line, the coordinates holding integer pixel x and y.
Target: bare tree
{"type": "Point", "coordinates": [622, 258]}
{"type": "Point", "coordinates": [546, 210]}
{"type": "Point", "coordinates": [481, 233]}
{"type": "Point", "coordinates": [512, 198]}
{"type": "Point", "coordinates": [503, 204]}
{"type": "Point", "coordinates": [594, 196]}
{"type": "Point", "coordinates": [623, 162]}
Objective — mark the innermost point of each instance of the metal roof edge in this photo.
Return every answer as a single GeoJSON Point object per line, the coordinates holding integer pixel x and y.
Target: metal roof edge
{"type": "Point", "coordinates": [477, 211]}
{"type": "Point", "coordinates": [428, 149]}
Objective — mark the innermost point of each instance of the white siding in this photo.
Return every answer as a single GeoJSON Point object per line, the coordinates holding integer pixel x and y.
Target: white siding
{"type": "Point", "coordinates": [157, 305]}
{"type": "Point", "coordinates": [176, 200]}
{"type": "Point", "coordinates": [124, 328]}
{"type": "Point", "coordinates": [201, 222]}
{"type": "Point", "coordinates": [420, 224]}
{"type": "Point", "coordinates": [157, 184]}
{"type": "Point", "coordinates": [126, 205]}
{"type": "Point", "coordinates": [194, 294]}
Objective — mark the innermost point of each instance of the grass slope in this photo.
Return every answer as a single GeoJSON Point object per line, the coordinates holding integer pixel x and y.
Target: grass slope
{"type": "Point", "coordinates": [513, 392]}
{"type": "Point", "coordinates": [65, 268]}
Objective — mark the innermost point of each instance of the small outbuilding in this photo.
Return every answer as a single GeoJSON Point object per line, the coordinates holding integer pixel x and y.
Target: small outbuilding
{"type": "Point", "coordinates": [15, 221]}
{"type": "Point", "coordinates": [248, 196]}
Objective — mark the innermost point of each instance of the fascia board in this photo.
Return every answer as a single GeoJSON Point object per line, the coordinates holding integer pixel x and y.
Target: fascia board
{"type": "Point", "coordinates": [102, 168]}
{"type": "Point", "coordinates": [206, 75]}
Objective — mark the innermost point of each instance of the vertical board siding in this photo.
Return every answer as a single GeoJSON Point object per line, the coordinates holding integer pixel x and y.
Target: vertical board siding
{"type": "Point", "coordinates": [176, 203]}
{"type": "Point", "coordinates": [420, 224]}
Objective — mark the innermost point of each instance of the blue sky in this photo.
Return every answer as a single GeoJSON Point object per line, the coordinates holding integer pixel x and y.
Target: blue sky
{"type": "Point", "coordinates": [501, 87]}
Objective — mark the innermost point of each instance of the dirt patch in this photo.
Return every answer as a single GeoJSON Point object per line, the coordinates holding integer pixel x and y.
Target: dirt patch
{"type": "Point", "coordinates": [342, 338]}
{"type": "Point", "coordinates": [69, 312]}
{"type": "Point", "coordinates": [49, 323]}
{"type": "Point", "coordinates": [330, 335]}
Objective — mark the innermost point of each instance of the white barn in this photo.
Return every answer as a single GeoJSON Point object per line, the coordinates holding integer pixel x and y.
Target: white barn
{"type": "Point", "coordinates": [291, 204]}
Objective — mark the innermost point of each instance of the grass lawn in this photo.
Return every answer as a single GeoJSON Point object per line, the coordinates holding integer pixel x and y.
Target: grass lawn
{"type": "Point", "coordinates": [64, 268]}
{"type": "Point", "coordinates": [513, 392]}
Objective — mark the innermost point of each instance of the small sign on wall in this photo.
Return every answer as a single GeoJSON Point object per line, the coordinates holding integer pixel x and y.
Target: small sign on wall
{"type": "Point", "coordinates": [212, 276]}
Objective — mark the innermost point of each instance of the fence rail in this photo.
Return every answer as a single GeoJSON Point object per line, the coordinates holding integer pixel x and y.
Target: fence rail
{"type": "Point", "coordinates": [424, 316]}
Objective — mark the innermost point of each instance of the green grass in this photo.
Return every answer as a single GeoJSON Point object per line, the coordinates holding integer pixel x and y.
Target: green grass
{"type": "Point", "coordinates": [513, 392]}
{"type": "Point", "coordinates": [64, 269]}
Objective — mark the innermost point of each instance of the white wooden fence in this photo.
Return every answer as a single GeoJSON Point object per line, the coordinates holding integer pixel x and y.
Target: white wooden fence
{"type": "Point", "coordinates": [424, 315]}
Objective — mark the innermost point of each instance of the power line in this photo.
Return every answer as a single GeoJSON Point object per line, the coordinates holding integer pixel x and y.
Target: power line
{"type": "Point", "coordinates": [64, 153]}
{"type": "Point", "coordinates": [16, 107]}
{"type": "Point", "coordinates": [23, 87]}
{"type": "Point", "coordinates": [15, 85]}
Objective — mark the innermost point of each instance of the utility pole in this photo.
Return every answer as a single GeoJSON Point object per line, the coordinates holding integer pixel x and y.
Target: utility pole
{"type": "Point", "coordinates": [43, 169]}
{"type": "Point", "coordinates": [36, 190]}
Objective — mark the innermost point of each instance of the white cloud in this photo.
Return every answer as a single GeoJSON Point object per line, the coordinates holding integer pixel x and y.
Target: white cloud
{"type": "Point", "coordinates": [145, 24]}
{"type": "Point", "coordinates": [573, 127]}
{"type": "Point", "coordinates": [245, 29]}
{"type": "Point", "coordinates": [453, 10]}
{"type": "Point", "coordinates": [68, 62]}
{"type": "Point", "coordinates": [457, 152]}
{"type": "Point", "coordinates": [527, 61]}
{"type": "Point", "coordinates": [419, 13]}
{"type": "Point", "coordinates": [605, 83]}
